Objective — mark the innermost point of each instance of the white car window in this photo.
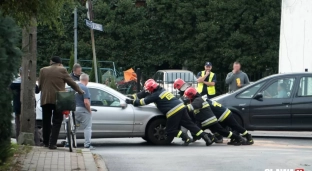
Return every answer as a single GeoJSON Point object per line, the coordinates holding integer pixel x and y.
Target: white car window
{"type": "Point", "coordinates": [102, 98]}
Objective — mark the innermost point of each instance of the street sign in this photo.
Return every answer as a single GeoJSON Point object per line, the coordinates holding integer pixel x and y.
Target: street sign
{"type": "Point", "coordinates": [94, 26]}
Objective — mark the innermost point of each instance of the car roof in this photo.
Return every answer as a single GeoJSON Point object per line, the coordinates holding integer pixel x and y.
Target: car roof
{"type": "Point", "coordinates": [288, 74]}
{"type": "Point", "coordinates": [173, 70]}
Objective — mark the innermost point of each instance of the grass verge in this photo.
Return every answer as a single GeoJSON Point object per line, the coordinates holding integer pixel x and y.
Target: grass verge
{"type": "Point", "coordinates": [12, 163]}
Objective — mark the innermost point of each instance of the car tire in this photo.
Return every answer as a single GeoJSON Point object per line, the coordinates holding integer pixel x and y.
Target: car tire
{"type": "Point", "coordinates": [156, 133]}
{"type": "Point", "coordinates": [238, 119]}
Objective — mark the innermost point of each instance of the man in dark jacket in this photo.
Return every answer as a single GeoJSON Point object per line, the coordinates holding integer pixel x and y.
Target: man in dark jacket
{"type": "Point", "coordinates": [52, 79]}
{"type": "Point", "coordinates": [77, 71]}
{"type": "Point", "coordinates": [16, 88]}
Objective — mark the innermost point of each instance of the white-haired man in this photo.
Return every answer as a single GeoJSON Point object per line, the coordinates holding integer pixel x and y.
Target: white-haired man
{"type": "Point", "coordinates": [83, 110]}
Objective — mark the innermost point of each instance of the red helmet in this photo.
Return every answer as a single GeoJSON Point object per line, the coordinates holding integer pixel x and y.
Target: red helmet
{"type": "Point", "coordinates": [150, 86]}
{"type": "Point", "coordinates": [178, 83]}
{"type": "Point", "coordinates": [190, 92]}
{"type": "Point", "coordinates": [148, 81]}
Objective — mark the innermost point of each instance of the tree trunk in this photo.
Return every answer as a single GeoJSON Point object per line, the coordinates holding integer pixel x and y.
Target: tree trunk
{"type": "Point", "coordinates": [29, 62]}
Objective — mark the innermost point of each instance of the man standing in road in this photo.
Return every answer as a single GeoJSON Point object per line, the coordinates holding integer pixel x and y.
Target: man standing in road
{"type": "Point", "coordinates": [83, 110]}
{"type": "Point", "coordinates": [51, 80]}
{"type": "Point", "coordinates": [207, 81]}
{"type": "Point", "coordinates": [237, 78]}
{"type": "Point", "coordinates": [77, 71]}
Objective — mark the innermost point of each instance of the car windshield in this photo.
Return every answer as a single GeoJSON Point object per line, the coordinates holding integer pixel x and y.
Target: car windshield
{"type": "Point", "coordinates": [186, 76]}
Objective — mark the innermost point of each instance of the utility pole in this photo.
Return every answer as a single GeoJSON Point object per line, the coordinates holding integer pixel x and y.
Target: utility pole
{"type": "Point", "coordinates": [75, 37]}
{"type": "Point", "coordinates": [90, 17]}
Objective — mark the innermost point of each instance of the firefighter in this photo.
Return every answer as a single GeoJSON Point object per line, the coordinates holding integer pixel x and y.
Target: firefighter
{"type": "Point", "coordinates": [219, 110]}
{"type": "Point", "coordinates": [181, 85]}
{"type": "Point", "coordinates": [141, 94]}
{"type": "Point", "coordinates": [200, 108]}
{"type": "Point", "coordinates": [174, 110]}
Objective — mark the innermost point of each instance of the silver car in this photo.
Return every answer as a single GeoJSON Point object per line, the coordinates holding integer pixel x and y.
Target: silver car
{"type": "Point", "coordinates": [116, 119]}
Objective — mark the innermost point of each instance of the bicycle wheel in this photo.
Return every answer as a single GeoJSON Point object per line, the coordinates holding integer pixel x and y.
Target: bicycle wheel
{"type": "Point", "coordinates": [73, 130]}
{"type": "Point", "coordinates": [69, 135]}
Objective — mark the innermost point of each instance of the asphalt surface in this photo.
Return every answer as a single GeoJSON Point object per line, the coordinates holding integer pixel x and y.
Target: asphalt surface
{"type": "Point", "coordinates": [134, 154]}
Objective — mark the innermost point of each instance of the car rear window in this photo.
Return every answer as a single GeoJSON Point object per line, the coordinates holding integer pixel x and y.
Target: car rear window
{"type": "Point", "coordinates": [186, 76]}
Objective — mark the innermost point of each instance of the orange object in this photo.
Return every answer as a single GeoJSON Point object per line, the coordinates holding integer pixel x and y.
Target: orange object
{"type": "Point", "coordinates": [238, 82]}
{"type": "Point", "coordinates": [130, 75]}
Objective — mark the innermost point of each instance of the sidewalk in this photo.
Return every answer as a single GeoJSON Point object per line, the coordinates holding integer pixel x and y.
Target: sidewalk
{"type": "Point", "coordinates": [43, 159]}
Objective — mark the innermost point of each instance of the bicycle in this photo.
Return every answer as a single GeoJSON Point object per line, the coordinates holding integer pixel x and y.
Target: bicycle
{"type": "Point", "coordinates": [70, 128]}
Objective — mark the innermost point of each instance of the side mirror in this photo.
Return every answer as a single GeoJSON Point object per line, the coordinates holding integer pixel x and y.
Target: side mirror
{"type": "Point", "coordinates": [93, 110]}
{"type": "Point", "coordinates": [258, 96]}
{"type": "Point", "coordinates": [123, 105]}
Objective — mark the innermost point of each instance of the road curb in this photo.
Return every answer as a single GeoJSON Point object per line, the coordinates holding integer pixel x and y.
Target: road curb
{"type": "Point", "coordinates": [89, 160]}
{"type": "Point", "coordinates": [100, 163]}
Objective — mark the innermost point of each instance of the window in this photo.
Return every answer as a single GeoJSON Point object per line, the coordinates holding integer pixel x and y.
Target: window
{"type": "Point", "coordinates": [280, 88]}
{"type": "Point", "coordinates": [305, 87]}
{"type": "Point", "coordinates": [186, 76]}
{"type": "Point", "coordinates": [250, 92]}
{"type": "Point", "coordinates": [102, 98]}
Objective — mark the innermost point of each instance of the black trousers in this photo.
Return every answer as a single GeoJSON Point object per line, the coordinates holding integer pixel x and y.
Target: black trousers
{"type": "Point", "coordinates": [232, 123]}
{"type": "Point", "coordinates": [51, 133]}
{"type": "Point", "coordinates": [217, 128]}
{"type": "Point", "coordinates": [181, 118]}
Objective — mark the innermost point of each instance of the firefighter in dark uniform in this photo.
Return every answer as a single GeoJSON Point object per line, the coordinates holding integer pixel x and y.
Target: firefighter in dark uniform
{"type": "Point", "coordinates": [174, 110]}
{"type": "Point", "coordinates": [181, 85]}
{"type": "Point", "coordinates": [200, 108]}
{"type": "Point", "coordinates": [141, 94]}
{"type": "Point", "coordinates": [224, 115]}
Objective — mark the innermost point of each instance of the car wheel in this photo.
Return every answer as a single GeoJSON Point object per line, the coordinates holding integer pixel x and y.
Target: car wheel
{"type": "Point", "coordinates": [156, 133]}
{"type": "Point", "coordinates": [238, 119]}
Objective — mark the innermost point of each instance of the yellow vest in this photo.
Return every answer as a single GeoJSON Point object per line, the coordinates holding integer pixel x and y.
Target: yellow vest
{"type": "Point", "coordinates": [210, 89]}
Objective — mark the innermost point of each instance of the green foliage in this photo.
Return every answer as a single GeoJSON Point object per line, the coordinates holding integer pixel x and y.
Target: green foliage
{"type": "Point", "coordinates": [112, 83]}
{"type": "Point", "coordinates": [10, 57]}
{"type": "Point", "coordinates": [175, 33]}
{"type": "Point", "coordinates": [92, 73]}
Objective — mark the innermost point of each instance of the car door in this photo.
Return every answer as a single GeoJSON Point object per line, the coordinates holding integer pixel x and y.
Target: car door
{"type": "Point", "coordinates": [242, 101]}
{"type": "Point", "coordinates": [110, 119]}
{"type": "Point", "coordinates": [272, 111]}
{"type": "Point", "coordinates": [301, 109]}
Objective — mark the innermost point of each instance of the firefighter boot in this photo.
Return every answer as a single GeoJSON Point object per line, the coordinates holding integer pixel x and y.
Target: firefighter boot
{"type": "Point", "coordinates": [207, 139]}
{"type": "Point", "coordinates": [187, 140]}
{"type": "Point", "coordinates": [249, 140]}
{"type": "Point", "coordinates": [218, 138]}
{"type": "Point", "coordinates": [195, 138]}
{"type": "Point", "coordinates": [237, 140]}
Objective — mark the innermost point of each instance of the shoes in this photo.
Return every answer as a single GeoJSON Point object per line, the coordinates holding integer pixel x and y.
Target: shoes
{"type": "Point", "coordinates": [52, 147]}
{"type": "Point", "coordinates": [218, 138]}
{"type": "Point", "coordinates": [238, 141]}
{"type": "Point", "coordinates": [195, 138]}
{"type": "Point", "coordinates": [207, 139]}
{"type": "Point", "coordinates": [43, 145]}
{"type": "Point", "coordinates": [187, 142]}
{"type": "Point", "coordinates": [90, 147]}
{"type": "Point", "coordinates": [249, 140]}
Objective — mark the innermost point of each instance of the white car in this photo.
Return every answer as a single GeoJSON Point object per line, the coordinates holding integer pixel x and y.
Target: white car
{"type": "Point", "coordinates": [165, 78]}
{"type": "Point", "coordinates": [116, 119]}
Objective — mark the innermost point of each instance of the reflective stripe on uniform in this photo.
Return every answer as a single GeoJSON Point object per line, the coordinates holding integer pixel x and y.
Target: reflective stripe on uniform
{"type": "Point", "coordinates": [224, 115]}
{"type": "Point", "coordinates": [205, 104]}
{"type": "Point", "coordinates": [175, 110]}
{"type": "Point", "coordinates": [190, 107]}
{"type": "Point", "coordinates": [142, 102]}
{"type": "Point", "coordinates": [163, 94]}
{"type": "Point", "coordinates": [245, 133]}
{"type": "Point", "coordinates": [230, 134]}
{"type": "Point", "coordinates": [179, 134]}
{"type": "Point", "coordinates": [199, 132]}
{"type": "Point", "coordinates": [209, 121]}
{"type": "Point", "coordinates": [134, 96]}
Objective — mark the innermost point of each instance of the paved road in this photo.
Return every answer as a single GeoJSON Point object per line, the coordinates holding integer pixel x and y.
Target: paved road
{"type": "Point", "coordinates": [267, 153]}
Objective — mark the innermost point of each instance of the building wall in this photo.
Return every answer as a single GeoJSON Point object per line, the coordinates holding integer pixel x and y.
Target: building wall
{"type": "Point", "coordinates": [295, 54]}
